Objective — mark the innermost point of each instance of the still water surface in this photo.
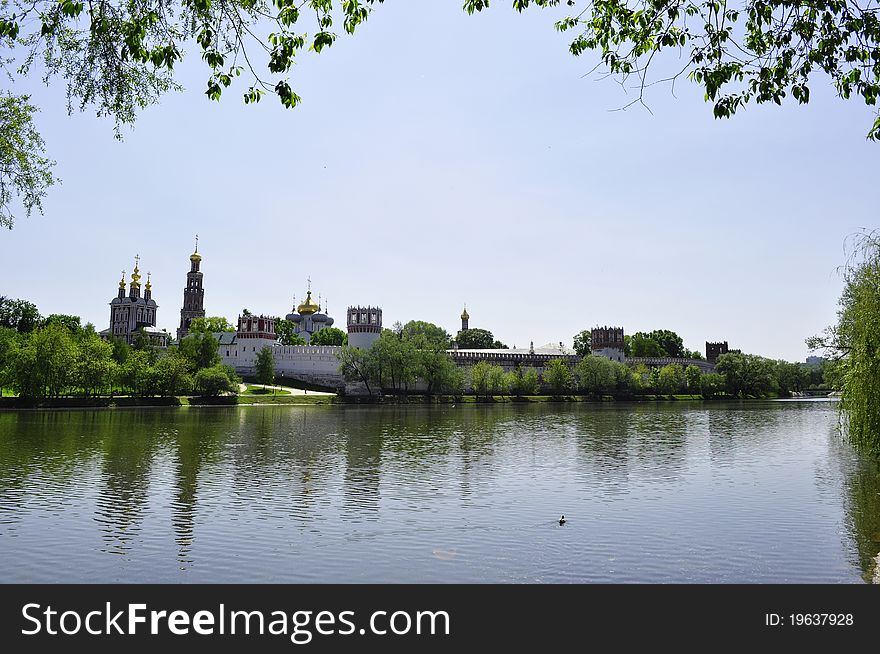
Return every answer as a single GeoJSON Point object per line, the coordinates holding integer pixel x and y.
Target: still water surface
{"type": "Point", "coordinates": [675, 492]}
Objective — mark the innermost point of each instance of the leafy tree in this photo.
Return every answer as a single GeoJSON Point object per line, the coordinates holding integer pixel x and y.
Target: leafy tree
{"type": "Point", "coordinates": [200, 349]}
{"type": "Point", "coordinates": [43, 365]}
{"type": "Point", "coordinates": [70, 322]}
{"type": "Point", "coordinates": [658, 343]}
{"type": "Point", "coordinates": [171, 375]}
{"type": "Point", "coordinates": [694, 354]}
{"type": "Point", "coordinates": [438, 370]}
{"type": "Point", "coordinates": [8, 346]}
{"type": "Point", "coordinates": [285, 332]}
{"type": "Point", "coordinates": [747, 374]}
{"type": "Point", "coordinates": [791, 377]}
{"type": "Point", "coordinates": [671, 379]}
{"type": "Point", "coordinates": [434, 336]}
{"type": "Point", "coordinates": [118, 58]}
{"type": "Point", "coordinates": [25, 173]}
{"type": "Point", "coordinates": [692, 375]}
{"type": "Point", "coordinates": [760, 51]}
{"type": "Point", "coordinates": [642, 345]}
{"type": "Point", "coordinates": [141, 341]}
{"type": "Point", "coordinates": [216, 380]}
{"type": "Point", "coordinates": [595, 375]}
{"type": "Point", "coordinates": [654, 379]}
{"type": "Point", "coordinates": [329, 336]}
{"type": "Point", "coordinates": [121, 350]}
{"type": "Point", "coordinates": [478, 339]}
{"type": "Point", "coordinates": [530, 382]}
{"type": "Point", "coordinates": [94, 366]}
{"type": "Point", "coordinates": [265, 366]}
{"type": "Point", "coordinates": [557, 375]}
{"type": "Point", "coordinates": [583, 342]}
{"type": "Point", "coordinates": [854, 343]}
{"type": "Point", "coordinates": [18, 314]}
{"type": "Point", "coordinates": [210, 325]}
{"type": "Point", "coordinates": [480, 378]}
{"type": "Point", "coordinates": [624, 380]}
{"type": "Point", "coordinates": [523, 381]}
{"type": "Point", "coordinates": [357, 365]}
{"type": "Point", "coordinates": [712, 385]}
{"type": "Point", "coordinates": [497, 381]}
{"type": "Point", "coordinates": [137, 374]}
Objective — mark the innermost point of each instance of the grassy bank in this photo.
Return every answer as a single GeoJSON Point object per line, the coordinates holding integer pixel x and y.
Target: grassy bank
{"type": "Point", "coordinates": [254, 396]}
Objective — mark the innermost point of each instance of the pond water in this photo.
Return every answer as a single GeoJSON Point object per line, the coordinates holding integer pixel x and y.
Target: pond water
{"type": "Point", "coordinates": [654, 492]}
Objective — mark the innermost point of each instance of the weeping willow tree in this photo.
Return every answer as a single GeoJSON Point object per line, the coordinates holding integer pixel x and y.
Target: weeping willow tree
{"type": "Point", "coordinates": [855, 342]}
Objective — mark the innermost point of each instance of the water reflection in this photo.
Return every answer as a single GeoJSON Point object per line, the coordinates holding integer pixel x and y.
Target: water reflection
{"type": "Point", "coordinates": [437, 493]}
{"type": "Point", "coordinates": [126, 467]}
{"type": "Point", "coordinates": [863, 516]}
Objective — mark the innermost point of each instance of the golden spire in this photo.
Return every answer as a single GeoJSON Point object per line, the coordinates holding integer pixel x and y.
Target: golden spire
{"type": "Point", "coordinates": [464, 314]}
{"type": "Point", "coordinates": [195, 256]}
{"type": "Point", "coordinates": [122, 281]}
{"type": "Point", "coordinates": [135, 275]}
{"type": "Point", "coordinates": [148, 286]}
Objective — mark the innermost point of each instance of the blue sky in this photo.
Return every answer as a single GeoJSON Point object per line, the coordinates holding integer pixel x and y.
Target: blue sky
{"type": "Point", "coordinates": [440, 158]}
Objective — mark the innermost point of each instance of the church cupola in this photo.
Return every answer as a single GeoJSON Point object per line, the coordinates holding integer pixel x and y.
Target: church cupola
{"type": "Point", "coordinates": [195, 258]}
{"type": "Point", "coordinates": [465, 317]}
{"type": "Point", "coordinates": [148, 289]}
{"type": "Point", "coordinates": [121, 294]}
{"type": "Point", "coordinates": [134, 288]}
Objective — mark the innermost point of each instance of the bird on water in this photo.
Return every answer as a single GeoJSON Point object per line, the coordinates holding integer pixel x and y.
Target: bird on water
{"type": "Point", "coordinates": [562, 520]}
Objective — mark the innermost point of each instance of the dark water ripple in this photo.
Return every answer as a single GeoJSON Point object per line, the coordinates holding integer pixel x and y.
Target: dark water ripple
{"type": "Point", "coordinates": [757, 492]}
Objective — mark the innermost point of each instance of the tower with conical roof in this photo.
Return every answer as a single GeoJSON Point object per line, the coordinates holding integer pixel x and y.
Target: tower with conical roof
{"type": "Point", "coordinates": [465, 317]}
{"type": "Point", "coordinates": [193, 294]}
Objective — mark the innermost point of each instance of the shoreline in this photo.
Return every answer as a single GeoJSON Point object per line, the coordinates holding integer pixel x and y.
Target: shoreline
{"type": "Point", "coordinates": [15, 404]}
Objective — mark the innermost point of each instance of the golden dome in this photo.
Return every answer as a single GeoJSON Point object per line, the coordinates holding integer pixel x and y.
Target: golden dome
{"type": "Point", "coordinates": [148, 286]}
{"type": "Point", "coordinates": [122, 281]}
{"type": "Point", "coordinates": [195, 256]}
{"type": "Point", "coordinates": [135, 275]}
{"type": "Point", "coordinates": [308, 307]}
{"type": "Point", "coordinates": [464, 315]}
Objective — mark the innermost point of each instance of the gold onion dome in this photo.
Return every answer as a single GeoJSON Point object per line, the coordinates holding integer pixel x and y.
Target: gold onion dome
{"type": "Point", "coordinates": [122, 281]}
{"type": "Point", "coordinates": [136, 277]}
{"type": "Point", "coordinates": [195, 256]}
{"type": "Point", "coordinates": [308, 307]}
{"type": "Point", "coordinates": [464, 315]}
{"type": "Point", "coordinates": [148, 285]}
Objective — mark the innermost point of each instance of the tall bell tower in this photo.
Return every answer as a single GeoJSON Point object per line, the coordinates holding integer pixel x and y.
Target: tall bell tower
{"type": "Point", "coordinates": [193, 294]}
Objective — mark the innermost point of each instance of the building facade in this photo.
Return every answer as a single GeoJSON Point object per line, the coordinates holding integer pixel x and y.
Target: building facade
{"type": "Point", "coordinates": [715, 350]}
{"type": "Point", "coordinates": [193, 294]}
{"type": "Point", "coordinates": [608, 342]}
{"type": "Point", "coordinates": [364, 326]}
{"type": "Point", "coordinates": [133, 316]}
{"type": "Point", "coordinates": [313, 364]}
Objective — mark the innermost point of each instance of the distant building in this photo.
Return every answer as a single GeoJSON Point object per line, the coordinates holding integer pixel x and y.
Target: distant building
{"type": "Point", "coordinates": [364, 326]}
{"type": "Point", "coordinates": [608, 342]}
{"type": "Point", "coordinates": [308, 318]}
{"type": "Point", "coordinates": [193, 295]}
{"type": "Point", "coordinates": [132, 314]}
{"type": "Point", "coordinates": [815, 362]}
{"type": "Point", "coordinates": [313, 364]}
{"type": "Point", "coordinates": [715, 350]}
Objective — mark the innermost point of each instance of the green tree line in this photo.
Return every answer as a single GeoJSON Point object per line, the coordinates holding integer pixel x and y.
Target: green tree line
{"type": "Point", "coordinates": [61, 359]}
{"type": "Point", "coordinates": [414, 358]}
